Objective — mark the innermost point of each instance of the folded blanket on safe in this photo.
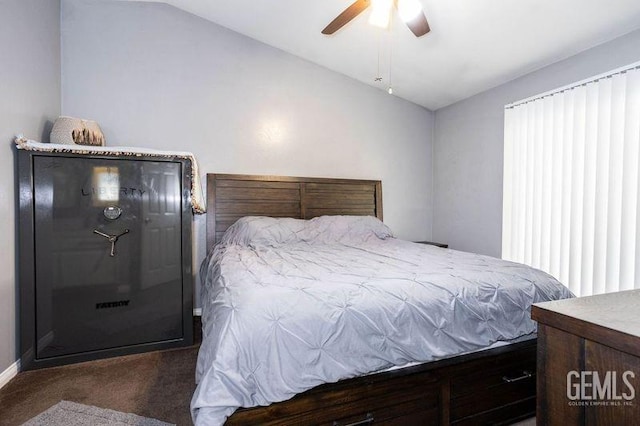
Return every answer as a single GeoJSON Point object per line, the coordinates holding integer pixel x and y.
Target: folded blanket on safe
{"type": "Point", "coordinates": [290, 304]}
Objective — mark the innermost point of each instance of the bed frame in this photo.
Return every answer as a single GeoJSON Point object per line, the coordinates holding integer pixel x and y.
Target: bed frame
{"type": "Point", "coordinates": [495, 386]}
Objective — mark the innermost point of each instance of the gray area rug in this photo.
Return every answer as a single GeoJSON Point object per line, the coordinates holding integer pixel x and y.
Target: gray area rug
{"type": "Point", "coordinates": [66, 413]}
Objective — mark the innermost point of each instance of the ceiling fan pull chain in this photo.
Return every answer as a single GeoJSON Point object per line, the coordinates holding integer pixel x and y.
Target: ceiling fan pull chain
{"type": "Point", "coordinates": [390, 88]}
{"type": "Point", "coordinates": [378, 75]}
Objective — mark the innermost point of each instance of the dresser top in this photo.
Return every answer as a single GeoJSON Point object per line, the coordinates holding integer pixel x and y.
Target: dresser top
{"type": "Point", "coordinates": [614, 317]}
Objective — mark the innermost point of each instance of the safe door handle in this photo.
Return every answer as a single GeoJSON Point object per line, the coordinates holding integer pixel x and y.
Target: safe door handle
{"type": "Point", "coordinates": [525, 375]}
{"type": "Point", "coordinates": [113, 239]}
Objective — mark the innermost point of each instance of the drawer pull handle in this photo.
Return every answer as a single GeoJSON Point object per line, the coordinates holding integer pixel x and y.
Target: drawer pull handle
{"type": "Point", "coordinates": [366, 421]}
{"type": "Point", "coordinates": [525, 375]}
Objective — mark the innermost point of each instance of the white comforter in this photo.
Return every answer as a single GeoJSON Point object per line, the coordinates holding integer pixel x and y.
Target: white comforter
{"type": "Point", "coordinates": [291, 304]}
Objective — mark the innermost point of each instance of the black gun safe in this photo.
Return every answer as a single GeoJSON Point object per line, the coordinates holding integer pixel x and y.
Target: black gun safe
{"type": "Point", "coordinates": [104, 256]}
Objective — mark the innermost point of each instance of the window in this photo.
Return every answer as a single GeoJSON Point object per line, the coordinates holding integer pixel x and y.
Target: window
{"type": "Point", "coordinates": [571, 183]}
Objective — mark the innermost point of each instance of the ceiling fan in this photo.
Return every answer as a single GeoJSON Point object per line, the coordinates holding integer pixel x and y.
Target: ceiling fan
{"type": "Point", "coordinates": [409, 10]}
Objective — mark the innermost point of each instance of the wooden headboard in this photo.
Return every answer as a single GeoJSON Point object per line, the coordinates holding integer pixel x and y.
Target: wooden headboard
{"type": "Point", "coordinates": [230, 197]}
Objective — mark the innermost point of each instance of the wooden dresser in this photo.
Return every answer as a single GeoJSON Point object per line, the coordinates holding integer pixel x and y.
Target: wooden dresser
{"type": "Point", "coordinates": [589, 360]}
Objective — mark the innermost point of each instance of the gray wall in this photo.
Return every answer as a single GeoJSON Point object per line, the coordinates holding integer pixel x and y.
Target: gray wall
{"type": "Point", "coordinates": [29, 103]}
{"type": "Point", "coordinates": [468, 146]}
{"type": "Point", "coordinates": [155, 76]}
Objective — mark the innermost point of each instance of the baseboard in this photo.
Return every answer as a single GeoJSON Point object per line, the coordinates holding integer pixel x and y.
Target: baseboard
{"type": "Point", "coordinates": [197, 312]}
{"type": "Point", "coordinates": [9, 373]}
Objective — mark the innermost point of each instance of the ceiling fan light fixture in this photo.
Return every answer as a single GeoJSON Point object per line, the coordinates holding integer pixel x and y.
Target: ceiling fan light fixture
{"type": "Point", "coordinates": [380, 13]}
{"type": "Point", "coordinates": [409, 9]}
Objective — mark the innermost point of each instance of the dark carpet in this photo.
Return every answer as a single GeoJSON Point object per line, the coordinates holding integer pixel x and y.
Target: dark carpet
{"type": "Point", "coordinates": [154, 384]}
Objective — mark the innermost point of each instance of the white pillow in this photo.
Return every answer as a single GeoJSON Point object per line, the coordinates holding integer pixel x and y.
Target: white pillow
{"type": "Point", "coordinates": [270, 231]}
{"type": "Point", "coordinates": [261, 230]}
{"type": "Point", "coordinates": [345, 229]}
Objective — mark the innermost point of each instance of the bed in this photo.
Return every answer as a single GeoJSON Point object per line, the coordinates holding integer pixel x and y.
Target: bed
{"type": "Point", "coordinates": [331, 320]}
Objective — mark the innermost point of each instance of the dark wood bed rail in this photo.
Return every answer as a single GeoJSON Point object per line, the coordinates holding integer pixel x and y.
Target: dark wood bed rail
{"type": "Point", "coordinates": [230, 197]}
{"type": "Point", "coordinates": [480, 388]}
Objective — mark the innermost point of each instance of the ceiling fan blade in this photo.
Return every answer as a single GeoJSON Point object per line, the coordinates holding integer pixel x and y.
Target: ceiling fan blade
{"type": "Point", "coordinates": [347, 15]}
{"type": "Point", "coordinates": [419, 25]}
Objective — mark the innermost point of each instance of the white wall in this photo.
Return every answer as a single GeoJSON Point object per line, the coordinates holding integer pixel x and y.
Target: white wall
{"type": "Point", "coordinates": [468, 146]}
{"type": "Point", "coordinates": [155, 76]}
{"type": "Point", "coordinates": [29, 103]}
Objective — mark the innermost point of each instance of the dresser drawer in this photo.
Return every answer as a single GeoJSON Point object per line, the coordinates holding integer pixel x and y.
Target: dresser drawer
{"type": "Point", "coordinates": [504, 415]}
{"type": "Point", "coordinates": [492, 386]}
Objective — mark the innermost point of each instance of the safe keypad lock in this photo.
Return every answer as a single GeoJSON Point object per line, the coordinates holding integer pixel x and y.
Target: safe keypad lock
{"type": "Point", "coordinates": [112, 212]}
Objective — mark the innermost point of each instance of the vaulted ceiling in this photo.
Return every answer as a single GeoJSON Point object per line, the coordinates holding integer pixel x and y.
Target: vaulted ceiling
{"type": "Point", "coordinates": [473, 45]}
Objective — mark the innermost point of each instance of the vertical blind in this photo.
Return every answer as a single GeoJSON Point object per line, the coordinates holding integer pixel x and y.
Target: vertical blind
{"type": "Point", "coordinates": [571, 184]}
